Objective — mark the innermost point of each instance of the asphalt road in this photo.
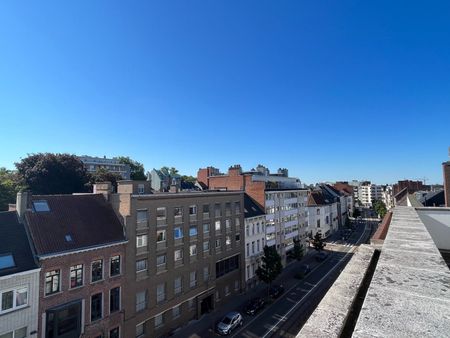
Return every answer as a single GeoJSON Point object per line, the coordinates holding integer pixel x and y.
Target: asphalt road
{"type": "Point", "coordinates": [287, 314]}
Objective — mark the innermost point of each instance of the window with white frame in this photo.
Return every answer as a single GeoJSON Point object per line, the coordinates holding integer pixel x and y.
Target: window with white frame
{"type": "Point", "coordinates": [52, 282]}
{"type": "Point", "coordinates": [217, 225]}
{"type": "Point", "coordinates": [217, 243]}
{"type": "Point", "coordinates": [192, 210]}
{"type": "Point", "coordinates": [178, 255]}
{"type": "Point", "coordinates": [193, 250]}
{"type": "Point", "coordinates": [19, 333]}
{"type": "Point", "coordinates": [76, 276]}
{"type": "Point", "coordinates": [13, 299]}
{"type": "Point", "coordinates": [160, 236]}
{"type": "Point", "coordinates": [228, 240]}
{"type": "Point", "coordinates": [141, 241]}
{"type": "Point", "coordinates": [178, 233]}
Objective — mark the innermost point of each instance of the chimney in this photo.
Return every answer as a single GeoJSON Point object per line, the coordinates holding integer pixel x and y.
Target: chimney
{"type": "Point", "coordinates": [104, 188]}
{"type": "Point", "coordinates": [22, 201]}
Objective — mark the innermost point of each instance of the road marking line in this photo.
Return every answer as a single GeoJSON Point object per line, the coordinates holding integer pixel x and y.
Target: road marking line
{"type": "Point", "coordinates": [326, 275]}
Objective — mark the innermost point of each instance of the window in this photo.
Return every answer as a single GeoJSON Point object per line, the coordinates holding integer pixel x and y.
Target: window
{"type": "Point", "coordinates": [6, 261]}
{"type": "Point", "coordinates": [96, 306]}
{"type": "Point", "coordinates": [177, 285]}
{"type": "Point", "coordinates": [178, 211]}
{"type": "Point", "coordinates": [257, 228]}
{"type": "Point", "coordinates": [161, 260]}
{"type": "Point", "coordinates": [227, 224]}
{"type": "Point", "coordinates": [114, 333]}
{"type": "Point", "coordinates": [159, 320]}
{"type": "Point", "coordinates": [115, 266]}
{"type": "Point", "coordinates": [237, 237]}
{"type": "Point", "coordinates": [40, 206]}
{"type": "Point", "coordinates": [160, 235]}
{"type": "Point", "coordinates": [114, 300]}
{"type": "Point", "coordinates": [52, 282]}
{"type": "Point", "coordinates": [205, 228]}
{"type": "Point", "coordinates": [178, 233]}
{"type": "Point", "coordinates": [247, 230]}
{"type": "Point", "coordinates": [227, 265]}
{"type": "Point", "coordinates": [141, 189]}
{"type": "Point", "coordinates": [161, 213]}
{"type": "Point", "coordinates": [228, 240]}
{"type": "Point", "coordinates": [228, 208]}
{"type": "Point", "coordinates": [19, 333]}
{"type": "Point", "coordinates": [257, 246]}
{"type": "Point", "coordinates": [205, 273]}
{"type": "Point", "coordinates": [141, 216]}
{"type": "Point", "coordinates": [192, 230]}
{"type": "Point", "coordinates": [141, 241]}
{"type": "Point", "coordinates": [97, 270]}
{"type": "Point", "coordinates": [318, 223]}
{"type": "Point", "coordinates": [217, 210]}
{"type": "Point", "coordinates": [176, 311]}
{"type": "Point", "coordinates": [217, 225]}
{"type": "Point", "coordinates": [193, 250]}
{"type": "Point", "coordinates": [141, 265]}
{"type": "Point", "coordinates": [140, 331]}
{"type": "Point", "coordinates": [76, 276]}
{"type": "Point", "coordinates": [193, 279]}
{"type": "Point", "coordinates": [160, 293]}
{"type": "Point", "coordinates": [141, 301]}
{"type": "Point", "coordinates": [237, 221]}
{"type": "Point", "coordinates": [217, 243]}
{"type": "Point", "coordinates": [7, 300]}
{"type": "Point", "coordinates": [21, 297]}
{"type": "Point", "coordinates": [206, 208]}
{"type": "Point", "coordinates": [192, 210]}
{"type": "Point", "coordinates": [206, 246]}
{"type": "Point", "coordinates": [237, 207]}
{"type": "Point", "coordinates": [253, 247]}
{"type": "Point", "coordinates": [318, 211]}
{"type": "Point", "coordinates": [248, 249]}
{"type": "Point", "coordinates": [178, 255]}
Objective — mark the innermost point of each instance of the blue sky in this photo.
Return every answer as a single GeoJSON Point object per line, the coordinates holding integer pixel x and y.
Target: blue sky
{"type": "Point", "coordinates": [333, 90]}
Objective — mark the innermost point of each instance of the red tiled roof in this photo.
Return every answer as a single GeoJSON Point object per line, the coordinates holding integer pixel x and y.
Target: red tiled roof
{"type": "Point", "coordinates": [316, 198]}
{"type": "Point", "coordinates": [88, 219]}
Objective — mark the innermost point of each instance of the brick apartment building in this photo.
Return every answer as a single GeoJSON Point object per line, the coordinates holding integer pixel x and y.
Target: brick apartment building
{"type": "Point", "coordinates": [411, 186]}
{"type": "Point", "coordinates": [80, 246]}
{"type": "Point", "coordinates": [184, 256]}
{"type": "Point", "coordinates": [446, 172]}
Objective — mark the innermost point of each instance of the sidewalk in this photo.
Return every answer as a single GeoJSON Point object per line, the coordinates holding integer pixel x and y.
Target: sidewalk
{"type": "Point", "coordinates": [204, 327]}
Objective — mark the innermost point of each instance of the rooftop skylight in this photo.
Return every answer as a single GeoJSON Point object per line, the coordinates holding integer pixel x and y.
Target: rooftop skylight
{"type": "Point", "coordinates": [6, 261]}
{"type": "Point", "coordinates": [40, 206]}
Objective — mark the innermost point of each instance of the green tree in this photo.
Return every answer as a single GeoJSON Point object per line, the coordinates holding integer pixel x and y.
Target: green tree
{"type": "Point", "coordinates": [298, 249]}
{"type": "Point", "coordinates": [271, 266]}
{"type": "Point", "coordinates": [48, 173]}
{"type": "Point", "coordinates": [379, 207]}
{"type": "Point", "coordinates": [103, 175]}
{"type": "Point", "coordinates": [9, 187]}
{"type": "Point", "coordinates": [173, 171]}
{"type": "Point", "coordinates": [137, 168]}
{"type": "Point", "coordinates": [317, 241]}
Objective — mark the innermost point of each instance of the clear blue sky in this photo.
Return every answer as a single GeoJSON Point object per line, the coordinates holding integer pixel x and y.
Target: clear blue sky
{"type": "Point", "coordinates": [333, 90]}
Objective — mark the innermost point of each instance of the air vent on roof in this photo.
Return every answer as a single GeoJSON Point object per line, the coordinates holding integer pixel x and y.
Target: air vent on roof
{"type": "Point", "coordinates": [68, 238]}
{"type": "Point", "coordinates": [6, 261]}
{"type": "Point", "coordinates": [40, 206]}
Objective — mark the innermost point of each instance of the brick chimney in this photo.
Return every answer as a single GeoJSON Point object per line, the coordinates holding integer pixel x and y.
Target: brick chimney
{"type": "Point", "coordinates": [104, 188]}
{"type": "Point", "coordinates": [235, 170]}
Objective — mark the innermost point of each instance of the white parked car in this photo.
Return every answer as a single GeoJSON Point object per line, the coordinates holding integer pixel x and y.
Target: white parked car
{"type": "Point", "coordinates": [229, 323]}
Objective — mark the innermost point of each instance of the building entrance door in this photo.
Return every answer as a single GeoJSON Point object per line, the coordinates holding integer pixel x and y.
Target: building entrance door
{"type": "Point", "coordinates": [206, 304]}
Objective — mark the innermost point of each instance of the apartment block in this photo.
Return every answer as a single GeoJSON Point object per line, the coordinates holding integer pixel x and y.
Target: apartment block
{"type": "Point", "coordinates": [92, 164]}
{"type": "Point", "coordinates": [80, 247]}
{"type": "Point", "coordinates": [184, 256]}
{"type": "Point", "coordinates": [255, 239]}
{"type": "Point", "coordinates": [19, 280]}
{"type": "Point", "coordinates": [322, 214]}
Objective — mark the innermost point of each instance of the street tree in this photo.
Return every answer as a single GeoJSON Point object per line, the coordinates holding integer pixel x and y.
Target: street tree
{"type": "Point", "coordinates": [270, 267]}
{"type": "Point", "coordinates": [137, 168]}
{"type": "Point", "coordinates": [379, 207]}
{"type": "Point", "coordinates": [317, 241]}
{"type": "Point", "coordinates": [298, 249]}
{"type": "Point", "coordinates": [48, 173]}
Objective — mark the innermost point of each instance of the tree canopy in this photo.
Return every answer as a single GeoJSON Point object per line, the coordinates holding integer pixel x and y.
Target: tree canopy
{"type": "Point", "coordinates": [379, 207]}
{"type": "Point", "coordinates": [47, 173]}
{"type": "Point", "coordinates": [137, 168]}
{"type": "Point", "coordinates": [271, 265]}
{"type": "Point", "coordinates": [298, 249]}
{"type": "Point", "coordinates": [317, 241]}
{"type": "Point", "coordinates": [103, 175]}
{"type": "Point", "coordinates": [9, 187]}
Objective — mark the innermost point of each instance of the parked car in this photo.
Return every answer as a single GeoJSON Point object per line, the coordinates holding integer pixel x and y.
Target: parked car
{"type": "Point", "coordinates": [254, 305]}
{"type": "Point", "coordinates": [276, 291]}
{"type": "Point", "coordinates": [229, 323]}
{"type": "Point", "coordinates": [321, 256]}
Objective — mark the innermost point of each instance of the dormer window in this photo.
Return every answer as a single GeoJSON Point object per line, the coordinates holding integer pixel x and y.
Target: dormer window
{"type": "Point", "coordinates": [6, 261]}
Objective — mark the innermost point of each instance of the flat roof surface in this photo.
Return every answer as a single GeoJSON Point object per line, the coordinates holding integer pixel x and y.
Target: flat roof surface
{"type": "Point", "coordinates": [409, 295]}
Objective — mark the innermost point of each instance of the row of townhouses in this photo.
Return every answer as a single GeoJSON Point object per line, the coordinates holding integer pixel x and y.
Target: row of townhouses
{"type": "Point", "coordinates": [142, 263]}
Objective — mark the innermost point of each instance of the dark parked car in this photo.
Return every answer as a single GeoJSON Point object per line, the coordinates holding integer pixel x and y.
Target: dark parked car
{"type": "Point", "coordinates": [321, 256]}
{"type": "Point", "coordinates": [229, 323]}
{"type": "Point", "coordinates": [304, 269]}
{"type": "Point", "coordinates": [254, 306]}
{"type": "Point", "coordinates": [276, 291]}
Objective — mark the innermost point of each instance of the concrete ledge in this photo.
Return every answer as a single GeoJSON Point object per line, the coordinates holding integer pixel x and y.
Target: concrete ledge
{"type": "Point", "coordinates": [330, 315]}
